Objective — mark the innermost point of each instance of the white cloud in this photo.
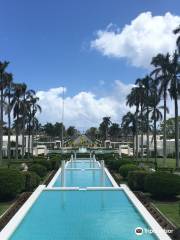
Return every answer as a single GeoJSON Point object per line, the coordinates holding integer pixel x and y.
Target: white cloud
{"type": "Point", "coordinates": [84, 109]}
{"type": "Point", "coordinates": [139, 41]}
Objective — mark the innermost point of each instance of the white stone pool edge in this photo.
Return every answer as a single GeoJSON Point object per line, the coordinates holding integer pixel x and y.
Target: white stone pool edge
{"type": "Point", "coordinates": [153, 224]}
{"type": "Point", "coordinates": [11, 226]}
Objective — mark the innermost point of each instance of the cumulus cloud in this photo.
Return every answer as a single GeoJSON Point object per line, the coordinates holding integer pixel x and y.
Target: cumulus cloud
{"type": "Point", "coordinates": [84, 109]}
{"type": "Point", "coordinates": [139, 41]}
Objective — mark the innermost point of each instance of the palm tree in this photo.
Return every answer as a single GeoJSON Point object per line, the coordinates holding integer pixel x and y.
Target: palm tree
{"type": "Point", "coordinates": [3, 66]}
{"type": "Point", "coordinates": [162, 65]}
{"type": "Point", "coordinates": [156, 115]}
{"type": "Point", "coordinates": [35, 109]}
{"type": "Point", "coordinates": [136, 98]}
{"type": "Point", "coordinates": [174, 91]}
{"type": "Point", "coordinates": [146, 81]}
{"type": "Point", "coordinates": [142, 99]}
{"type": "Point", "coordinates": [114, 131]}
{"type": "Point", "coordinates": [27, 96]}
{"type": "Point", "coordinates": [104, 127]}
{"type": "Point", "coordinates": [129, 122]}
{"type": "Point", "coordinates": [8, 94]}
{"type": "Point", "coordinates": [16, 103]}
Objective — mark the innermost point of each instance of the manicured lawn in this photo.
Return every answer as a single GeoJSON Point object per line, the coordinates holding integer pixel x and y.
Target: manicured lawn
{"type": "Point", "coordinates": [170, 210]}
{"type": "Point", "coordinates": [170, 162]}
{"type": "Point", "coordinates": [4, 206]}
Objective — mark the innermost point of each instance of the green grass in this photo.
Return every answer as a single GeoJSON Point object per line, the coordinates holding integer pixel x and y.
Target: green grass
{"type": "Point", "coordinates": [4, 206]}
{"type": "Point", "coordinates": [171, 210]}
{"type": "Point", "coordinates": [170, 162]}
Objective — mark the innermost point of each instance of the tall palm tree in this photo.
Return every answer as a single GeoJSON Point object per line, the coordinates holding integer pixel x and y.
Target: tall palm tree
{"type": "Point", "coordinates": [142, 98]}
{"type": "Point", "coordinates": [129, 122]}
{"type": "Point", "coordinates": [27, 96]}
{"type": "Point", "coordinates": [156, 115]}
{"type": "Point", "coordinates": [104, 127]}
{"type": "Point", "coordinates": [136, 98]}
{"type": "Point", "coordinates": [162, 65]}
{"type": "Point", "coordinates": [16, 103]}
{"type": "Point", "coordinates": [114, 131]}
{"type": "Point", "coordinates": [3, 66]}
{"type": "Point", "coordinates": [9, 94]}
{"type": "Point", "coordinates": [35, 109]}
{"type": "Point", "coordinates": [174, 91]}
{"type": "Point", "coordinates": [146, 81]}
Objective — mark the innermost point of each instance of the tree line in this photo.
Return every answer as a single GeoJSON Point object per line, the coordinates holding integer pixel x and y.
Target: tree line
{"type": "Point", "coordinates": [18, 109]}
{"type": "Point", "coordinates": [149, 99]}
{"type": "Point", "coordinates": [52, 131]}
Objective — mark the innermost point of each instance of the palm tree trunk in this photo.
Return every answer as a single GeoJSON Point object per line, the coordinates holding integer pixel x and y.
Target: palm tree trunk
{"type": "Point", "coordinates": [9, 129]}
{"type": "Point", "coordinates": [29, 135]}
{"type": "Point", "coordinates": [32, 141]}
{"type": "Point", "coordinates": [155, 143]}
{"type": "Point", "coordinates": [141, 132]}
{"type": "Point", "coordinates": [136, 137]}
{"type": "Point", "coordinates": [17, 136]}
{"type": "Point", "coordinates": [147, 135]}
{"type": "Point", "coordinates": [176, 131]}
{"type": "Point", "coordinates": [164, 130]}
{"type": "Point", "coordinates": [1, 125]}
{"type": "Point", "coordinates": [23, 131]}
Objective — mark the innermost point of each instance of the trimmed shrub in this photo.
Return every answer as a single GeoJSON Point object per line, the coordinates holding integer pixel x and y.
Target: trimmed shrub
{"type": "Point", "coordinates": [162, 185]}
{"type": "Point", "coordinates": [40, 170]}
{"type": "Point", "coordinates": [125, 169]}
{"type": "Point", "coordinates": [116, 164]}
{"type": "Point", "coordinates": [55, 164]}
{"type": "Point", "coordinates": [44, 163]}
{"type": "Point", "coordinates": [32, 180]}
{"type": "Point", "coordinates": [12, 182]}
{"type": "Point", "coordinates": [136, 180]}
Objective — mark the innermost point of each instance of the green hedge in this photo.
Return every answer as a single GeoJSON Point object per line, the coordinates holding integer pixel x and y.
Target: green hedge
{"type": "Point", "coordinates": [45, 163]}
{"type": "Point", "coordinates": [116, 164]}
{"type": "Point", "coordinates": [136, 180]}
{"type": "Point", "coordinates": [163, 185]}
{"type": "Point", "coordinates": [125, 169]}
{"type": "Point", "coordinates": [55, 164]}
{"type": "Point", "coordinates": [40, 170]}
{"type": "Point", "coordinates": [32, 180]}
{"type": "Point", "coordinates": [12, 182]}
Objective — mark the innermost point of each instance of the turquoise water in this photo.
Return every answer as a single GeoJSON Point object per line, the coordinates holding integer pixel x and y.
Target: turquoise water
{"type": "Point", "coordinates": [83, 178]}
{"type": "Point", "coordinates": [81, 215]}
{"type": "Point", "coordinates": [83, 164]}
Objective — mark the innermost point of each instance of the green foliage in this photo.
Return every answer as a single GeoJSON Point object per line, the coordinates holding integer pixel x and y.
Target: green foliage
{"type": "Point", "coordinates": [44, 163]}
{"type": "Point", "coordinates": [55, 164]}
{"type": "Point", "coordinates": [116, 164]}
{"type": "Point", "coordinates": [136, 180]}
{"type": "Point", "coordinates": [126, 168]}
{"type": "Point", "coordinates": [32, 180]}
{"type": "Point", "coordinates": [40, 170]}
{"type": "Point", "coordinates": [162, 185]}
{"type": "Point", "coordinates": [11, 183]}
{"type": "Point", "coordinates": [170, 128]}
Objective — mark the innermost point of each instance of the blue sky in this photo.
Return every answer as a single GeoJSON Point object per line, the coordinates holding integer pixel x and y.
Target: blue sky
{"type": "Point", "coordinates": [49, 42]}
